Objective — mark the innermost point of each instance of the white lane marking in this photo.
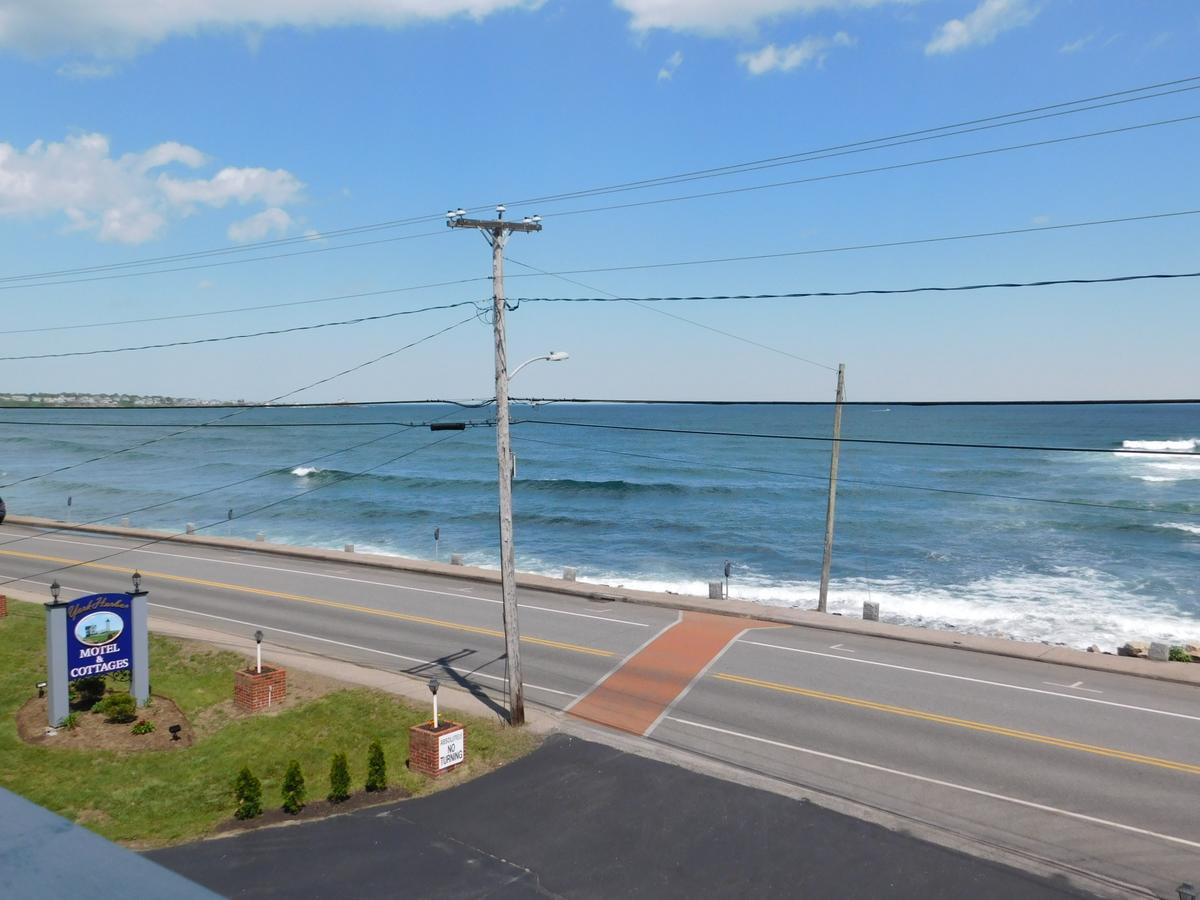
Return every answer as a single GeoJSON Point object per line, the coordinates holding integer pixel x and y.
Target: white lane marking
{"type": "Point", "coordinates": [695, 680]}
{"type": "Point", "coordinates": [630, 655]}
{"type": "Point", "coordinates": [1000, 684]}
{"type": "Point", "coordinates": [387, 584]}
{"type": "Point", "coordinates": [843, 649]}
{"type": "Point", "coordinates": [269, 628]}
{"type": "Point", "coordinates": [1078, 686]}
{"type": "Point", "coordinates": [979, 792]}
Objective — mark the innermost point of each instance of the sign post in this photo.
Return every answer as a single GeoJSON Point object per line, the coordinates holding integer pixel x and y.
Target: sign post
{"type": "Point", "coordinates": [94, 636]}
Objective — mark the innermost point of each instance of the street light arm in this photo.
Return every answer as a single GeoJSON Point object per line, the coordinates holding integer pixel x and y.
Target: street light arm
{"type": "Point", "coordinates": [553, 356]}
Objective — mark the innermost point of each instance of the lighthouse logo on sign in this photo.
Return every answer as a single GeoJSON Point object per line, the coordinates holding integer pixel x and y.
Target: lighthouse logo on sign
{"type": "Point", "coordinates": [98, 635]}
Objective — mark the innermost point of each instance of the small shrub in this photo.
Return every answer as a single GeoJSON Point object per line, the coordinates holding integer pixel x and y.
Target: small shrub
{"type": "Point", "coordinates": [248, 791]}
{"type": "Point", "coordinates": [293, 789]}
{"type": "Point", "coordinates": [1178, 654]}
{"type": "Point", "coordinates": [86, 692]}
{"type": "Point", "coordinates": [120, 708]}
{"type": "Point", "coordinates": [143, 726]}
{"type": "Point", "coordinates": [376, 767]}
{"type": "Point", "coordinates": [70, 722]}
{"type": "Point", "coordinates": [339, 779]}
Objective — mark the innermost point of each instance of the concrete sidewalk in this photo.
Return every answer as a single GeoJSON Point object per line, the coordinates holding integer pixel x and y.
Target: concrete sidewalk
{"type": "Point", "coordinates": [581, 820]}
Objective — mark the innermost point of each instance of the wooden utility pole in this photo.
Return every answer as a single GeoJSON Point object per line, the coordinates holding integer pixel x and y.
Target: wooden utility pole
{"type": "Point", "coordinates": [497, 231]}
{"type": "Point", "coordinates": [822, 601]}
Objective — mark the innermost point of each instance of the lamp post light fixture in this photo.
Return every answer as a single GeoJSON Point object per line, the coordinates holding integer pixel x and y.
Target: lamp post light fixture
{"type": "Point", "coordinates": [137, 583]}
{"type": "Point", "coordinates": [55, 590]}
{"type": "Point", "coordinates": [433, 689]}
{"type": "Point", "coordinates": [552, 356]}
{"type": "Point", "coordinates": [258, 636]}
{"type": "Point", "coordinates": [175, 729]}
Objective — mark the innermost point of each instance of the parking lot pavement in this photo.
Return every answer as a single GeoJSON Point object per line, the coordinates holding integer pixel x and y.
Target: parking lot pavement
{"type": "Point", "coordinates": [579, 819]}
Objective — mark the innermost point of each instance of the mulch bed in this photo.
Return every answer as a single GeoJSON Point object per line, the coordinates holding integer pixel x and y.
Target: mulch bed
{"type": "Point", "coordinates": [95, 733]}
{"type": "Point", "coordinates": [316, 809]}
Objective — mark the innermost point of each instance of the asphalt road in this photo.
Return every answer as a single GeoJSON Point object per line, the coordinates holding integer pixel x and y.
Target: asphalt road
{"type": "Point", "coordinates": [581, 820]}
{"type": "Point", "coordinates": [1093, 771]}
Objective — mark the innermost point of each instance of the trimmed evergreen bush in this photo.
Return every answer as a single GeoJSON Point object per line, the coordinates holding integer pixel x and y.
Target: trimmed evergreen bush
{"type": "Point", "coordinates": [376, 767]}
{"type": "Point", "coordinates": [339, 779]}
{"type": "Point", "coordinates": [120, 708]}
{"type": "Point", "coordinates": [248, 791]}
{"type": "Point", "coordinates": [293, 789]}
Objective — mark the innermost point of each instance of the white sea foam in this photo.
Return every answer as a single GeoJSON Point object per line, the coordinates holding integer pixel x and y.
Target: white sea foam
{"type": "Point", "coordinates": [1075, 607]}
{"type": "Point", "coordinates": [305, 471]}
{"type": "Point", "coordinates": [1181, 526]}
{"type": "Point", "coordinates": [1182, 444]}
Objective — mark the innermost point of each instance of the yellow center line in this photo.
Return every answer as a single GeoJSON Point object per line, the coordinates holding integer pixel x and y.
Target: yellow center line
{"type": "Point", "coordinates": [316, 601]}
{"type": "Point", "coordinates": [968, 724]}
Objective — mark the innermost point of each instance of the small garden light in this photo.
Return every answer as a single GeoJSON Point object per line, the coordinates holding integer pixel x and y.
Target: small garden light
{"type": "Point", "coordinates": [55, 589]}
{"type": "Point", "coordinates": [175, 729]}
{"type": "Point", "coordinates": [41, 688]}
{"type": "Point", "coordinates": [433, 689]}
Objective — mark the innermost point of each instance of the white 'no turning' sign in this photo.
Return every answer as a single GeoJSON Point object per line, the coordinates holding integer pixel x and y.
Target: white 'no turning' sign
{"type": "Point", "coordinates": [451, 749]}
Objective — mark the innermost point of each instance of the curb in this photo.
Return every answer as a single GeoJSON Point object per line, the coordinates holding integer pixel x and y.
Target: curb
{"type": "Point", "coordinates": [1178, 673]}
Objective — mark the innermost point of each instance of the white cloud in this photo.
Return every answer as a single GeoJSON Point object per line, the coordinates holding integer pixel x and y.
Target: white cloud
{"type": "Point", "coordinates": [812, 49]}
{"type": "Point", "coordinates": [722, 16]}
{"type": "Point", "coordinates": [260, 225]}
{"type": "Point", "coordinates": [84, 71]}
{"type": "Point", "coordinates": [1078, 44]}
{"type": "Point", "coordinates": [674, 61]}
{"type": "Point", "coordinates": [129, 198]}
{"type": "Point", "coordinates": [982, 25]}
{"type": "Point", "coordinates": [122, 27]}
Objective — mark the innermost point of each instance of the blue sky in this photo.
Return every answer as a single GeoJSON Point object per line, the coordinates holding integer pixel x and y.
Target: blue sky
{"type": "Point", "coordinates": [133, 131]}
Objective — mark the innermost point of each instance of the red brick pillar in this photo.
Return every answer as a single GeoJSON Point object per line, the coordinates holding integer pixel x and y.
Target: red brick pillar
{"type": "Point", "coordinates": [436, 752]}
{"type": "Point", "coordinates": [3, 606]}
{"type": "Point", "coordinates": [253, 690]}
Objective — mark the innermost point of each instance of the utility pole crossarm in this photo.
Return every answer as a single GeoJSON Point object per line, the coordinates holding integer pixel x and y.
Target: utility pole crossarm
{"type": "Point", "coordinates": [495, 224]}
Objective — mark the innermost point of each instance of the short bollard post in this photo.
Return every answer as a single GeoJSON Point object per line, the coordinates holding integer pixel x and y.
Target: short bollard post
{"type": "Point", "coordinates": [456, 559]}
{"type": "Point", "coordinates": [568, 573]}
{"type": "Point", "coordinates": [260, 537]}
{"type": "Point", "coordinates": [349, 548]}
{"type": "Point", "coordinates": [716, 590]}
{"type": "Point", "coordinates": [870, 611]}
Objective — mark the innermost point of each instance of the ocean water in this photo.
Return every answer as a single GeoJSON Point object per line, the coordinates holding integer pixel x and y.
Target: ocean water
{"type": "Point", "coordinates": [915, 529]}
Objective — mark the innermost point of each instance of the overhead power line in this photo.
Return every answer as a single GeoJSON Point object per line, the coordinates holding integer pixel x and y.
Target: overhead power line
{"type": "Point", "coordinates": [466, 404]}
{"type": "Point", "coordinates": [228, 262]}
{"type": "Point", "coordinates": [222, 425]}
{"type": "Point", "coordinates": [824, 477]}
{"type": "Point", "coordinates": [848, 248]}
{"type": "Point", "coordinates": [241, 410]}
{"type": "Point", "coordinates": [288, 499]}
{"type": "Point", "coordinates": [222, 487]}
{"type": "Point", "coordinates": [1129, 95]}
{"type": "Point", "coordinates": [892, 167]}
{"type": "Point", "coordinates": [239, 337]}
{"type": "Point", "coordinates": [239, 309]}
{"type": "Point", "coordinates": [537, 401]}
{"type": "Point", "coordinates": [1115, 279]}
{"type": "Point", "coordinates": [882, 143]}
{"type": "Point", "coordinates": [671, 315]}
{"type": "Point", "coordinates": [846, 440]}
{"type": "Point", "coordinates": [622, 268]}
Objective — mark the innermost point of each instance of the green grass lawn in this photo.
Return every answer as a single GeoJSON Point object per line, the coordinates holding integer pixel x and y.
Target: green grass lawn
{"type": "Point", "coordinates": [152, 798]}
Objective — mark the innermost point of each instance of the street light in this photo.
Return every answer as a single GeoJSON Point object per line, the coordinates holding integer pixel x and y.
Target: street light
{"type": "Point", "coordinates": [55, 589]}
{"type": "Point", "coordinates": [552, 356]}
